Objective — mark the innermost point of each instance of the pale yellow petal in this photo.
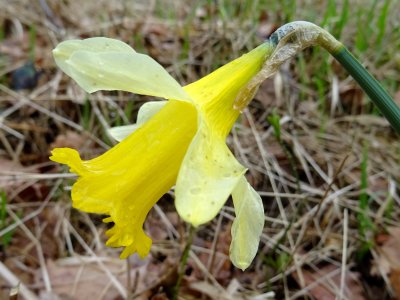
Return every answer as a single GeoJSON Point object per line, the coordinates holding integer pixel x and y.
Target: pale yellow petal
{"type": "Point", "coordinates": [119, 133]}
{"type": "Point", "coordinates": [131, 72]}
{"type": "Point", "coordinates": [149, 109]}
{"type": "Point", "coordinates": [247, 226]}
{"type": "Point", "coordinates": [65, 49]}
{"type": "Point", "coordinates": [208, 174]}
{"type": "Point", "coordinates": [146, 111]}
{"type": "Point", "coordinates": [107, 64]}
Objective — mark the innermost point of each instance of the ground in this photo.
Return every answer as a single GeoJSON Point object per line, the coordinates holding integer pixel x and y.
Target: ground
{"type": "Point", "coordinates": [318, 152]}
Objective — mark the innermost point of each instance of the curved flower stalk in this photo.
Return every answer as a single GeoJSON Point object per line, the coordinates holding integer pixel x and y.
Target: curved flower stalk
{"type": "Point", "coordinates": [293, 37]}
{"type": "Point", "coordinates": [180, 141]}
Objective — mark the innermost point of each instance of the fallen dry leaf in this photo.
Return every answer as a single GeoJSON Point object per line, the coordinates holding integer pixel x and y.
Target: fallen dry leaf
{"type": "Point", "coordinates": [11, 176]}
{"type": "Point", "coordinates": [388, 261]}
{"type": "Point", "coordinates": [81, 280]}
{"type": "Point", "coordinates": [395, 281]}
{"type": "Point", "coordinates": [69, 139]}
{"type": "Point", "coordinates": [265, 29]}
{"type": "Point", "coordinates": [324, 284]}
{"type": "Point", "coordinates": [82, 277]}
{"type": "Point", "coordinates": [219, 263]}
{"type": "Point", "coordinates": [211, 290]}
{"type": "Point", "coordinates": [389, 252]}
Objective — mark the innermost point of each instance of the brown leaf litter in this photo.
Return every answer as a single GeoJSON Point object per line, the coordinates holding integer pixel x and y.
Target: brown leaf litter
{"type": "Point", "coordinates": [388, 260]}
{"type": "Point", "coordinates": [324, 283]}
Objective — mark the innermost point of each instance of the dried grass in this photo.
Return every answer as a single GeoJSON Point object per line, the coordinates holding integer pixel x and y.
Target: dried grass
{"type": "Point", "coordinates": [310, 181]}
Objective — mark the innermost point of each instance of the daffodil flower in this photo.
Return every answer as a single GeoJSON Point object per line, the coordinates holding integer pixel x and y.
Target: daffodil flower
{"type": "Point", "coordinates": [177, 142]}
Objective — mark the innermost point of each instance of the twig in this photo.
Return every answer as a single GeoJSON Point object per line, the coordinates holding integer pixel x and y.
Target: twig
{"type": "Point", "coordinates": [330, 185]}
{"type": "Point", "coordinates": [211, 259]}
{"type": "Point", "coordinates": [128, 278]}
{"type": "Point", "coordinates": [13, 281]}
{"type": "Point", "coordinates": [344, 253]}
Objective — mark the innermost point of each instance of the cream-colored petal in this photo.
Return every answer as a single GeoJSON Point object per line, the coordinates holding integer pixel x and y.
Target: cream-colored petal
{"type": "Point", "coordinates": [119, 133]}
{"type": "Point", "coordinates": [146, 111]}
{"type": "Point", "coordinates": [149, 109]}
{"type": "Point", "coordinates": [131, 72]}
{"type": "Point", "coordinates": [208, 174]}
{"type": "Point", "coordinates": [247, 226]}
{"type": "Point", "coordinates": [65, 49]}
{"type": "Point", "coordinates": [102, 63]}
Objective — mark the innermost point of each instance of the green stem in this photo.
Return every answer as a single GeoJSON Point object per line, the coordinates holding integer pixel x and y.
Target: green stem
{"type": "Point", "coordinates": [370, 86]}
{"type": "Point", "coordinates": [183, 262]}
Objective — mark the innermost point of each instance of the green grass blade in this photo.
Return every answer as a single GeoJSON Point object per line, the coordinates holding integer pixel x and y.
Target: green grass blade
{"type": "Point", "coordinates": [382, 21]}
{"type": "Point", "coordinates": [344, 16]}
{"type": "Point", "coordinates": [330, 13]}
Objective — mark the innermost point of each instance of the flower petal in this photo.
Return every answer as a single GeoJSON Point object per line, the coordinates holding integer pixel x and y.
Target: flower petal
{"type": "Point", "coordinates": [117, 68]}
{"type": "Point", "coordinates": [247, 226]}
{"type": "Point", "coordinates": [65, 49]}
{"type": "Point", "coordinates": [146, 111]}
{"type": "Point", "coordinates": [208, 174]}
{"type": "Point", "coordinates": [217, 94]}
{"type": "Point", "coordinates": [119, 133]}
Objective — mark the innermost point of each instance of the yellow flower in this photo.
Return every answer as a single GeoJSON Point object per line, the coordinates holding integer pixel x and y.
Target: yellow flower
{"type": "Point", "coordinates": [180, 141]}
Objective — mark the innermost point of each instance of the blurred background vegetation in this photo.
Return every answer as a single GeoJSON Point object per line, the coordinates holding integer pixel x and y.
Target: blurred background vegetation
{"type": "Point", "coordinates": [324, 161]}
